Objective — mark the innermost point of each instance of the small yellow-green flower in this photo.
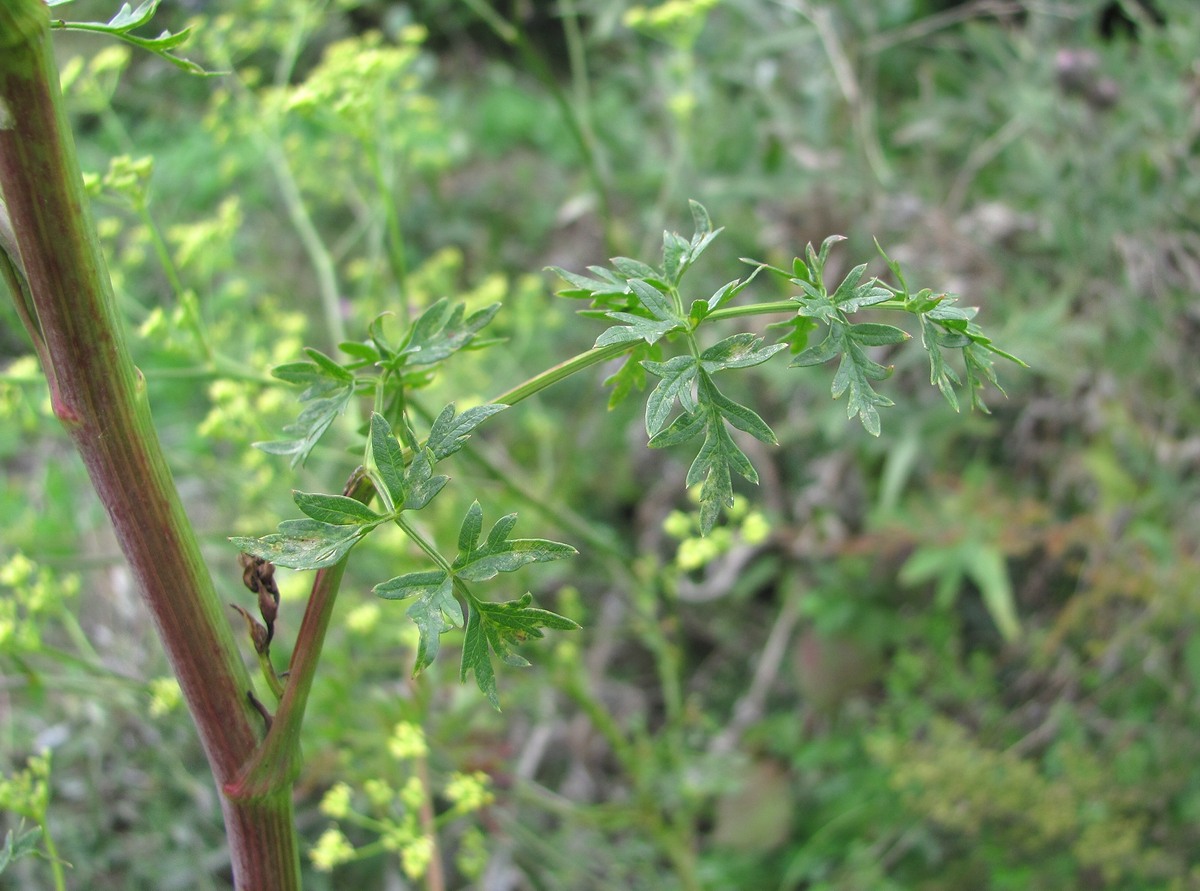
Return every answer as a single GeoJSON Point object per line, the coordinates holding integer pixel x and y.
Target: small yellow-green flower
{"type": "Point", "coordinates": [165, 696]}
{"type": "Point", "coordinates": [379, 793]}
{"type": "Point", "coordinates": [331, 849]}
{"type": "Point", "coordinates": [470, 791]}
{"type": "Point", "coordinates": [407, 741]}
{"type": "Point", "coordinates": [756, 529]}
{"type": "Point", "coordinates": [413, 794]}
{"type": "Point", "coordinates": [416, 856]}
{"type": "Point", "coordinates": [17, 571]}
{"type": "Point", "coordinates": [336, 803]}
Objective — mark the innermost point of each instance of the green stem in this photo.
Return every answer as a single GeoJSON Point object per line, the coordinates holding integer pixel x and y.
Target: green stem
{"type": "Point", "coordinates": [160, 249]}
{"type": "Point", "coordinates": [596, 355]}
{"type": "Point", "coordinates": [562, 371]}
{"type": "Point", "coordinates": [270, 143]}
{"type": "Point", "coordinates": [182, 296]}
{"type": "Point", "coordinates": [572, 117]}
{"type": "Point", "coordinates": [425, 545]}
{"type": "Point", "coordinates": [397, 254]}
{"type": "Point", "coordinates": [56, 869]}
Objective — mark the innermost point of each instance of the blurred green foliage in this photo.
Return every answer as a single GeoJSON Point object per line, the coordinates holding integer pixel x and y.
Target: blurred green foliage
{"type": "Point", "coordinates": [815, 697]}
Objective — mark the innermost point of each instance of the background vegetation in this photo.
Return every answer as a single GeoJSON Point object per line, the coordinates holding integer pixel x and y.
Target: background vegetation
{"type": "Point", "coordinates": [824, 693]}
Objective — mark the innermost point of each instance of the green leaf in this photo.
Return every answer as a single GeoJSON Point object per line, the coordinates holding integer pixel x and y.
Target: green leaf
{"type": "Point", "coordinates": [336, 510]}
{"type": "Point", "coordinates": [701, 222]}
{"type": "Point", "coordinates": [628, 269]}
{"type": "Point", "coordinates": [450, 431]}
{"type": "Point", "coordinates": [472, 525]}
{"type": "Point", "coordinates": [678, 377]}
{"type": "Point", "coordinates": [985, 566]}
{"type": "Point", "coordinates": [420, 482]}
{"type": "Point", "coordinates": [816, 304]}
{"type": "Point", "coordinates": [498, 553]}
{"type": "Point", "coordinates": [719, 457]}
{"type": "Point", "coordinates": [854, 374]}
{"type": "Point", "coordinates": [872, 334]}
{"type": "Point", "coordinates": [631, 375]}
{"type": "Point", "coordinates": [21, 845]}
{"type": "Point", "coordinates": [850, 296]}
{"type": "Point", "coordinates": [364, 352]}
{"type": "Point", "coordinates": [434, 614]}
{"type": "Point", "coordinates": [435, 611]}
{"type": "Point", "coordinates": [738, 351]}
{"type": "Point", "coordinates": [328, 389]}
{"type": "Point", "coordinates": [822, 352]}
{"type": "Point", "coordinates": [128, 18]}
{"type": "Point", "coordinates": [639, 328]}
{"type": "Point", "coordinates": [685, 427]}
{"type": "Point", "coordinates": [659, 306]}
{"type": "Point", "coordinates": [498, 627]}
{"type": "Point", "coordinates": [675, 256]}
{"type": "Point", "coordinates": [385, 462]}
{"type": "Point", "coordinates": [477, 659]}
{"type": "Point", "coordinates": [440, 332]}
{"type": "Point", "coordinates": [655, 301]}
{"type": "Point", "coordinates": [736, 414]}
{"type": "Point", "coordinates": [713, 467]}
{"type": "Point", "coordinates": [606, 284]}
{"type": "Point", "coordinates": [795, 332]}
{"type": "Point", "coordinates": [304, 544]}
{"type": "Point", "coordinates": [940, 374]}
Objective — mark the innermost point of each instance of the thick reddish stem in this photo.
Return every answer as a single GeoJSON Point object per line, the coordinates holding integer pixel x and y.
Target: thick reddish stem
{"type": "Point", "coordinates": [101, 400]}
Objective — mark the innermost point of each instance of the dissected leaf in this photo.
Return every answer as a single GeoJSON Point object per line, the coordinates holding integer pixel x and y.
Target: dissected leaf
{"type": "Point", "coordinates": [450, 431]}
{"type": "Point", "coordinates": [435, 611]}
{"type": "Point", "coordinates": [665, 318]}
{"type": "Point", "coordinates": [337, 510]}
{"type": "Point", "coordinates": [498, 553]}
{"type": "Point", "coordinates": [385, 460]}
{"type": "Point", "coordinates": [304, 543]}
{"type": "Point", "coordinates": [740, 416]}
{"type": "Point", "coordinates": [713, 467]}
{"type": "Point", "coordinates": [719, 457]}
{"type": "Point", "coordinates": [854, 374]}
{"type": "Point", "coordinates": [440, 332]}
{"type": "Point", "coordinates": [434, 614]}
{"type": "Point", "coordinates": [654, 300]}
{"type": "Point", "coordinates": [738, 351]}
{"type": "Point", "coordinates": [678, 377]}
{"type": "Point", "coordinates": [328, 388]}
{"type": "Point", "coordinates": [498, 627]}
{"type": "Point", "coordinates": [606, 284]}
{"type": "Point", "coordinates": [420, 482]}
{"type": "Point", "coordinates": [22, 844]}
{"type": "Point", "coordinates": [638, 328]}
{"type": "Point", "coordinates": [631, 375]}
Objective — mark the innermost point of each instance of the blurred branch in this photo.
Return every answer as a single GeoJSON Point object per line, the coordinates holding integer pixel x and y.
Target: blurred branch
{"type": "Point", "coordinates": [942, 20]}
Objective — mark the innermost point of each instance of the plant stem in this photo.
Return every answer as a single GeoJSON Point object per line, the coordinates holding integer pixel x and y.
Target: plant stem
{"type": "Point", "coordinates": [596, 355]}
{"type": "Point", "coordinates": [574, 118]}
{"type": "Point", "coordinates": [277, 763]}
{"type": "Point", "coordinates": [397, 254]}
{"type": "Point", "coordinates": [56, 869]}
{"type": "Point", "coordinates": [561, 371]}
{"type": "Point", "coordinates": [101, 400]}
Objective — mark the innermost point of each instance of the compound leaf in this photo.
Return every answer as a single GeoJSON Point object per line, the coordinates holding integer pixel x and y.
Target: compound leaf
{"type": "Point", "coordinates": [336, 510]}
{"type": "Point", "coordinates": [304, 543]}
{"type": "Point", "coordinates": [435, 611]}
{"type": "Point", "coordinates": [450, 431]}
{"type": "Point", "coordinates": [499, 553]}
{"type": "Point", "coordinates": [497, 628]}
{"type": "Point", "coordinates": [385, 460]}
